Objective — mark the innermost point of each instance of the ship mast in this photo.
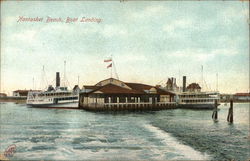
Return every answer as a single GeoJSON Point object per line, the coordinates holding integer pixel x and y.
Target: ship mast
{"type": "Point", "coordinates": [201, 76]}
{"type": "Point", "coordinates": [78, 80]}
{"type": "Point", "coordinates": [0, 74]}
{"type": "Point", "coordinates": [64, 74]}
{"type": "Point", "coordinates": [217, 82]}
{"type": "Point", "coordinates": [179, 82]}
{"type": "Point", "coordinates": [44, 81]}
{"type": "Point", "coordinates": [33, 82]}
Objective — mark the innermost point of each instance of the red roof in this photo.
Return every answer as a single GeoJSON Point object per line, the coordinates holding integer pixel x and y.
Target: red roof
{"type": "Point", "coordinates": [139, 87]}
{"type": "Point", "coordinates": [97, 84]}
{"type": "Point", "coordinates": [114, 89]}
{"type": "Point", "coordinates": [242, 94]}
{"type": "Point", "coordinates": [21, 91]}
{"type": "Point", "coordinates": [3, 94]}
{"type": "Point", "coordinates": [193, 86]}
{"type": "Point", "coordinates": [135, 88]}
{"type": "Point", "coordinates": [90, 87]}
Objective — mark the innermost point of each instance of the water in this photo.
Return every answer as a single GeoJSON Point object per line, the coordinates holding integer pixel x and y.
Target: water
{"type": "Point", "coordinates": [177, 134]}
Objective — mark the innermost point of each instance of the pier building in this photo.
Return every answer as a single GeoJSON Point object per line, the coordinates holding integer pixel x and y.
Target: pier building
{"type": "Point", "coordinates": [3, 95]}
{"type": "Point", "coordinates": [20, 93]}
{"type": "Point", "coordinates": [113, 94]}
{"type": "Point", "coordinates": [242, 97]}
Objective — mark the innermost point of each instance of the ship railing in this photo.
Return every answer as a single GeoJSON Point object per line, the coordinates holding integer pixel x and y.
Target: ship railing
{"type": "Point", "coordinates": [166, 103]}
{"type": "Point", "coordinates": [199, 98]}
{"type": "Point", "coordinates": [53, 96]}
{"type": "Point", "coordinates": [197, 103]}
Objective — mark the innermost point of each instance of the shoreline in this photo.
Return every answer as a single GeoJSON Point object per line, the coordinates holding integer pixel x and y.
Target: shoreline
{"type": "Point", "coordinates": [18, 100]}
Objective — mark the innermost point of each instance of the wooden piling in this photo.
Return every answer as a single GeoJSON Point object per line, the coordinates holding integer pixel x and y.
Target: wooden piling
{"type": "Point", "coordinates": [215, 112]}
{"type": "Point", "coordinates": [230, 113]}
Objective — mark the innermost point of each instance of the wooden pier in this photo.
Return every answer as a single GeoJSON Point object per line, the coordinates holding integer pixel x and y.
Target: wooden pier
{"type": "Point", "coordinates": [114, 95]}
{"type": "Point", "coordinates": [129, 106]}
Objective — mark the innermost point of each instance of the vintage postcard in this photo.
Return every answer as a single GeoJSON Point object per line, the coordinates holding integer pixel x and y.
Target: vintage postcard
{"type": "Point", "coordinates": [124, 80]}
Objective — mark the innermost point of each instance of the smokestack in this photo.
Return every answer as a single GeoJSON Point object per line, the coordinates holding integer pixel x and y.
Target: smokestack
{"type": "Point", "coordinates": [57, 79]}
{"type": "Point", "coordinates": [172, 80]}
{"type": "Point", "coordinates": [184, 84]}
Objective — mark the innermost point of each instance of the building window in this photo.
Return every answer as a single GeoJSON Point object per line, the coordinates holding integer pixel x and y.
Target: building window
{"type": "Point", "coordinates": [106, 100]}
{"type": "Point", "coordinates": [113, 99]}
{"type": "Point", "coordinates": [122, 99]}
{"type": "Point", "coordinates": [132, 100]}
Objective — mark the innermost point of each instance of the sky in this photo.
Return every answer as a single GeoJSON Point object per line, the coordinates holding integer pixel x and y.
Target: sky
{"type": "Point", "coordinates": [149, 41]}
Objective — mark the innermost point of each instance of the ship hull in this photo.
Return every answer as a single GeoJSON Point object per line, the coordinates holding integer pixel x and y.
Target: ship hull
{"type": "Point", "coordinates": [59, 105]}
{"type": "Point", "coordinates": [197, 106]}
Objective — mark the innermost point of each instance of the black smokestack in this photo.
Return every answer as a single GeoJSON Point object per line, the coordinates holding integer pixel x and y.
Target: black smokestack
{"type": "Point", "coordinates": [57, 79]}
{"type": "Point", "coordinates": [184, 84]}
{"type": "Point", "coordinates": [172, 80]}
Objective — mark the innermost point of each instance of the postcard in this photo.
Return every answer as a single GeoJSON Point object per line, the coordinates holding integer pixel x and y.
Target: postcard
{"type": "Point", "coordinates": [124, 80]}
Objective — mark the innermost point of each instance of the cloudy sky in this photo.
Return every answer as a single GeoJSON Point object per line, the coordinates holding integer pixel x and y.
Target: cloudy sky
{"type": "Point", "coordinates": [149, 42]}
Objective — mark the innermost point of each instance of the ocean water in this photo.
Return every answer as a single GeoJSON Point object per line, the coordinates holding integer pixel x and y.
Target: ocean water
{"type": "Point", "coordinates": [176, 134]}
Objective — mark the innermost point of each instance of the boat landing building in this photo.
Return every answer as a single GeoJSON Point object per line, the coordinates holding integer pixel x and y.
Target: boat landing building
{"type": "Point", "coordinates": [113, 94]}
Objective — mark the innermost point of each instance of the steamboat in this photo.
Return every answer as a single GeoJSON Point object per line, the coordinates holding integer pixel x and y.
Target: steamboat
{"type": "Point", "coordinates": [58, 97]}
{"type": "Point", "coordinates": [191, 96]}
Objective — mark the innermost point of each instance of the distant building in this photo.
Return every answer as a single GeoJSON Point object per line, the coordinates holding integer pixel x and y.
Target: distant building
{"type": "Point", "coordinates": [87, 88]}
{"type": "Point", "coordinates": [194, 87]}
{"type": "Point", "coordinates": [171, 84]}
{"type": "Point", "coordinates": [113, 93]}
{"type": "Point", "coordinates": [3, 95]}
{"type": "Point", "coordinates": [226, 97]}
{"type": "Point", "coordinates": [76, 89]}
{"type": "Point", "coordinates": [241, 97]}
{"type": "Point", "coordinates": [20, 93]}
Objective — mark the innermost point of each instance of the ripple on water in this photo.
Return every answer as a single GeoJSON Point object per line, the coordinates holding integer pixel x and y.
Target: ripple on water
{"type": "Point", "coordinates": [45, 134]}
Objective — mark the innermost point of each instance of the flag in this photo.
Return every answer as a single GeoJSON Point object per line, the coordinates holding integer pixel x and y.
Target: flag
{"type": "Point", "coordinates": [110, 65]}
{"type": "Point", "coordinates": [108, 60]}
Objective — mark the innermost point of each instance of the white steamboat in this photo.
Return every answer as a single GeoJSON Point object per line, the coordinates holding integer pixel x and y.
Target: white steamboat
{"type": "Point", "coordinates": [58, 97]}
{"type": "Point", "coordinates": [197, 100]}
{"type": "Point", "coordinates": [192, 97]}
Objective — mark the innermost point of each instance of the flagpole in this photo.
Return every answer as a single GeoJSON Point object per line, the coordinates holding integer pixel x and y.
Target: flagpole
{"type": "Point", "coordinates": [111, 65]}
{"type": "Point", "coordinates": [111, 70]}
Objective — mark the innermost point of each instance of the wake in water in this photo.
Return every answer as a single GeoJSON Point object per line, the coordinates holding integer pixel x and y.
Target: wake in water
{"type": "Point", "coordinates": [181, 151]}
{"type": "Point", "coordinates": [41, 134]}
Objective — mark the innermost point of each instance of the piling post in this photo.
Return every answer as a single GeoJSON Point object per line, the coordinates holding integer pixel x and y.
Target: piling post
{"type": "Point", "coordinates": [215, 112]}
{"type": "Point", "coordinates": [230, 112]}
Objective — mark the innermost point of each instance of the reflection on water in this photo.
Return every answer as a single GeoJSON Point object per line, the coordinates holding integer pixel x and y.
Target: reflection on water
{"type": "Point", "coordinates": [160, 135]}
